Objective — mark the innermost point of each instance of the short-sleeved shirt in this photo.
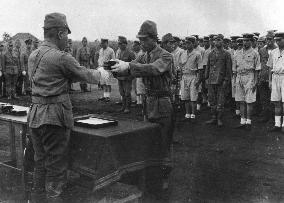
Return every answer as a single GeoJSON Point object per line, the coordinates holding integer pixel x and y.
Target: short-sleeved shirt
{"type": "Point", "coordinates": [276, 61]}
{"type": "Point", "coordinates": [205, 56]}
{"type": "Point", "coordinates": [105, 55]}
{"type": "Point", "coordinates": [177, 53]}
{"type": "Point", "coordinates": [191, 62]}
{"type": "Point", "coordinates": [246, 60]}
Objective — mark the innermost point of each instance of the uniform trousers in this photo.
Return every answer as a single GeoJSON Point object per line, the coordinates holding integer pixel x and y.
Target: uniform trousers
{"type": "Point", "coordinates": [125, 87]}
{"type": "Point", "coordinates": [216, 96]}
{"type": "Point", "coordinates": [50, 143]}
{"type": "Point", "coordinates": [11, 81]}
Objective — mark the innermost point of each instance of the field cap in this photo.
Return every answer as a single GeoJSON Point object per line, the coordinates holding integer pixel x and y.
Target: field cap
{"type": "Point", "coordinates": [56, 20]}
{"type": "Point", "coordinates": [147, 29]}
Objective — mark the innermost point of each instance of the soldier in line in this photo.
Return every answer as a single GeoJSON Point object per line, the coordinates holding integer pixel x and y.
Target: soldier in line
{"type": "Point", "coordinates": [83, 57]}
{"type": "Point", "coordinates": [124, 82]}
{"type": "Point", "coordinates": [20, 79]}
{"type": "Point", "coordinates": [276, 79]}
{"type": "Point", "coordinates": [11, 70]}
{"type": "Point", "coordinates": [24, 62]}
{"type": "Point", "coordinates": [69, 49]}
{"type": "Point", "coordinates": [2, 77]}
{"type": "Point", "coordinates": [105, 54]}
{"type": "Point", "coordinates": [218, 73]}
{"type": "Point", "coordinates": [191, 78]}
{"type": "Point", "coordinates": [246, 66]}
{"type": "Point", "coordinates": [50, 117]}
{"type": "Point", "coordinates": [263, 85]}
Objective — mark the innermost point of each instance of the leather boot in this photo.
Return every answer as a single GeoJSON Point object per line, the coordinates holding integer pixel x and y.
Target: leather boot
{"type": "Point", "coordinates": [213, 119]}
{"type": "Point", "coordinates": [219, 119]}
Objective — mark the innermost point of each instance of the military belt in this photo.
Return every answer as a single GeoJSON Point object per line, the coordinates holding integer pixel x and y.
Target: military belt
{"type": "Point", "coordinates": [50, 99]}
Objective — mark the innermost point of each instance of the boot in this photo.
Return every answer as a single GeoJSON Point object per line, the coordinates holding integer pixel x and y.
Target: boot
{"type": "Point", "coordinates": [219, 119]}
{"type": "Point", "coordinates": [127, 105]}
{"type": "Point", "coordinates": [213, 120]}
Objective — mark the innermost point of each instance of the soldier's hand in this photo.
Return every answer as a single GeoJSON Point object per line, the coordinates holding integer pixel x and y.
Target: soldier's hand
{"type": "Point", "coordinates": [121, 66]}
{"type": "Point", "coordinates": [24, 73]}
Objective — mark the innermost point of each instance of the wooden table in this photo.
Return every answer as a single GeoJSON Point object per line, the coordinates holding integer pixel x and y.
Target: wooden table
{"type": "Point", "coordinates": [103, 154]}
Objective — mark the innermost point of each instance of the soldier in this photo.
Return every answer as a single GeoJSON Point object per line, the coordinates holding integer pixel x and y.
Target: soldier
{"type": "Point", "coordinates": [218, 73]}
{"type": "Point", "coordinates": [124, 82]}
{"type": "Point", "coordinates": [167, 42]}
{"type": "Point", "coordinates": [276, 79]}
{"type": "Point", "coordinates": [69, 49]}
{"type": "Point", "coordinates": [155, 67]}
{"type": "Point", "coordinates": [11, 71]}
{"type": "Point", "coordinates": [263, 85]}
{"type": "Point", "coordinates": [261, 43]}
{"type": "Point", "coordinates": [247, 67]}
{"type": "Point", "coordinates": [50, 117]}
{"type": "Point", "coordinates": [211, 41]}
{"type": "Point", "coordinates": [20, 78]}
{"type": "Point", "coordinates": [24, 62]}
{"type": "Point", "coordinates": [83, 57]}
{"type": "Point", "coordinates": [35, 44]}
{"type": "Point", "coordinates": [204, 64]}
{"type": "Point", "coordinates": [201, 42]}
{"type": "Point", "coordinates": [191, 78]}
{"type": "Point", "coordinates": [2, 77]}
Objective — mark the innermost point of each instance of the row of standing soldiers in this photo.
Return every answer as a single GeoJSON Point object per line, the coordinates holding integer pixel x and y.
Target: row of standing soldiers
{"type": "Point", "coordinates": [14, 79]}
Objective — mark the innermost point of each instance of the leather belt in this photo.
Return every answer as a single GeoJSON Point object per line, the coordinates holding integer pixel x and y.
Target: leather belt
{"type": "Point", "coordinates": [50, 99]}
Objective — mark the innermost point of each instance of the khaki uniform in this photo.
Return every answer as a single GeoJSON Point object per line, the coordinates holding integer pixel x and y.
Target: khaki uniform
{"type": "Point", "coordinates": [192, 62]}
{"type": "Point", "coordinates": [24, 61]}
{"type": "Point", "coordinates": [11, 70]}
{"type": "Point", "coordinates": [218, 70]}
{"type": "Point", "coordinates": [50, 117]}
{"type": "Point", "coordinates": [156, 70]}
{"type": "Point", "coordinates": [83, 57]}
{"type": "Point", "coordinates": [246, 62]}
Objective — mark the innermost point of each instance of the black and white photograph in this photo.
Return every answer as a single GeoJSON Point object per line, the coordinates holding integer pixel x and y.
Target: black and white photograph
{"type": "Point", "coordinates": [150, 101]}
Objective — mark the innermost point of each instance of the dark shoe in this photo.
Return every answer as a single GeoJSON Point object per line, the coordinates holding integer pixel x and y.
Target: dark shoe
{"type": "Point", "coordinates": [275, 129]}
{"type": "Point", "coordinates": [248, 127]}
{"type": "Point", "coordinates": [241, 126]}
{"type": "Point", "coordinates": [102, 99]}
{"type": "Point", "coordinates": [212, 121]}
{"type": "Point", "coordinates": [126, 111]}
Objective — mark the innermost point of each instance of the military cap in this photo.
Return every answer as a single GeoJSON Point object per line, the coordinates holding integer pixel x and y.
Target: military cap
{"type": "Point", "coordinates": [104, 40]}
{"type": "Point", "coordinates": [248, 36]}
{"type": "Point", "coordinates": [270, 34]}
{"type": "Point", "coordinates": [177, 39]}
{"type": "Point", "coordinates": [147, 29]}
{"type": "Point", "coordinates": [28, 41]}
{"type": "Point", "coordinates": [240, 40]}
{"type": "Point", "coordinates": [261, 39]}
{"type": "Point", "coordinates": [219, 36]}
{"type": "Point", "coordinates": [256, 34]}
{"type": "Point", "coordinates": [205, 38]}
{"type": "Point", "coordinates": [168, 38]}
{"type": "Point", "coordinates": [190, 39]}
{"type": "Point", "coordinates": [227, 40]}
{"type": "Point", "coordinates": [54, 20]}
{"type": "Point", "coordinates": [211, 36]}
{"type": "Point", "coordinates": [201, 39]}
{"type": "Point", "coordinates": [84, 38]}
{"type": "Point", "coordinates": [255, 38]}
{"type": "Point", "coordinates": [279, 35]}
{"type": "Point", "coordinates": [196, 36]}
{"type": "Point", "coordinates": [136, 42]}
{"type": "Point", "coordinates": [122, 39]}
{"type": "Point", "coordinates": [234, 38]}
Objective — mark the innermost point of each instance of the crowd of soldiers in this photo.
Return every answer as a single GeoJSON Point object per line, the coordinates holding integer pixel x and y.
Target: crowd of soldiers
{"type": "Point", "coordinates": [14, 80]}
{"type": "Point", "coordinates": [212, 70]}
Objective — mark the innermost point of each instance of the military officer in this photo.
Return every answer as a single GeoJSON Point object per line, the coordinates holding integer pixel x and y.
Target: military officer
{"type": "Point", "coordinates": [83, 57]}
{"type": "Point", "coordinates": [218, 73]}
{"type": "Point", "coordinates": [124, 82]}
{"type": "Point", "coordinates": [24, 62]}
{"type": "Point", "coordinates": [11, 70]}
{"type": "Point", "coordinates": [50, 117]}
{"type": "Point", "coordinates": [155, 67]}
{"type": "Point", "coordinates": [276, 64]}
{"type": "Point", "coordinates": [2, 77]}
{"type": "Point", "coordinates": [246, 66]}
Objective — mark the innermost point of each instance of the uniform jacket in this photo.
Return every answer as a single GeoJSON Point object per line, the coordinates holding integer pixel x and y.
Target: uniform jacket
{"type": "Point", "coordinates": [83, 56]}
{"type": "Point", "coordinates": [218, 67]}
{"type": "Point", "coordinates": [126, 56]}
{"type": "Point", "coordinates": [264, 73]}
{"type": "Point", "coordinates": [50, 80]}
{"type": "Point", "coordinates": [11, 63]}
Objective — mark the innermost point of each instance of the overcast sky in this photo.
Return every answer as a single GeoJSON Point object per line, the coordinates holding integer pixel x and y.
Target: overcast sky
{"type": "Point", "coordinates": [97, 19]}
